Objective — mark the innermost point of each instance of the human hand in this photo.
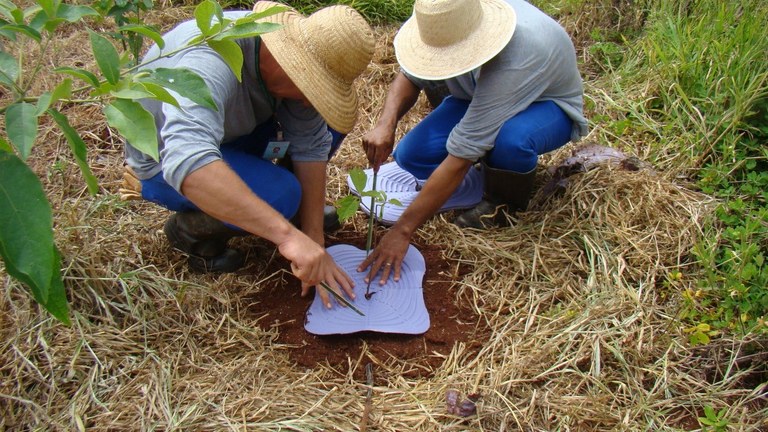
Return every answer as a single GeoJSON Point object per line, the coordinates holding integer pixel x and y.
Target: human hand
{"type": "Point", "coordinates": [378, 144]}
{"type": "Point", "coordinates": [387, 257]}
{"type": "Point", "coordinates": [312, 264]}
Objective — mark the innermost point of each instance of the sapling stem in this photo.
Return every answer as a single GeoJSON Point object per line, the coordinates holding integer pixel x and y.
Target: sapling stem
{"type": "Point", "coordinates": [369, 241]}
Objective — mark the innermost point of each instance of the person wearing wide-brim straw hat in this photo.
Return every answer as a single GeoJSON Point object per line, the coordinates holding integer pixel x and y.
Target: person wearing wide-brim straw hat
{"type": "Point", "coordinates": [515, 92]}
{"type": "Point", "coordinates": [257, 163]}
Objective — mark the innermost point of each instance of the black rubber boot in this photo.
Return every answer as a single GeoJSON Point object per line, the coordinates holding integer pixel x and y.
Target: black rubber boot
{"type": "Point", "coordinates": [505, 191]}
{"type": "Point", "coordinates": [204, 239]}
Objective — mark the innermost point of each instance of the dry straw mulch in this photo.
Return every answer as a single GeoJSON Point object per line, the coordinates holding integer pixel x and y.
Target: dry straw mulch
{"type": "Point", "coordinates": [577, 294]}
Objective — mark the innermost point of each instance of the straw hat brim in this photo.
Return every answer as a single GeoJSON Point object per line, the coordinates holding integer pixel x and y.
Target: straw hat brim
{"type": "Point", "coordinates": [435, 63]}
{"type": "Point", "coordinates": [335, 100]}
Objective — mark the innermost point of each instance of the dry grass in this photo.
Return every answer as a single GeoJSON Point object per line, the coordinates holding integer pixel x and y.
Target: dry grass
{"type": "Point", "coordinates": [584, 330]}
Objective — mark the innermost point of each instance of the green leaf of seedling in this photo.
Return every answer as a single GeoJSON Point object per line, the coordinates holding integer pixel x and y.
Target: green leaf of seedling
{"type": "Point", "coordinates": [134, 92]}
{"type": "Point", "coordinates": [145, 30]}
{"type": "Point", "coordinates": [82, 74]}
{"type": "Point", "coordinates": [231, 53]}
{"type": "Point", "coordinates": [5, 146]}
{"type": "Point", "coordinates": [106, 56]}
{"type": "Point", "coordinates": [9, 70]}
{"type": "Point", "coordinates": [62, 91]}
{"type": "Point", "coordinates": [159, 93]}
{"type": "Point", "coordinates": [21, 127]}
{"type": "Point", "coordinates": [203, 15]}
{"type": "Point", "coordinates": [134, 123]}
{"type": "Point", "coordinates": [184, 82]}
{"type": "Point", "coordinates": [74, 13]}
{"type": "Point", "coordinates": [23, 29]}
{"type": "Point", "coordinates": [78, 147]}
{"type": "Point", "coordinates": [247, 30]}
{"type": "Point", "coordinates": [359, 178]}
{"type": "Point", "coordinates": [265, 13]}
{"type": "Point", "coordinates": [347, 207]}
{"type": "Point", "coordinates": [26, 234]}
{"type": "Point", "coordinates": [395, 201]}
{"type": "Point", "coordinates": [43, 102]}
{"type": "Point", "coordinates": [57, 296]}
{"type": "Point", "coordinates": [49, 6]}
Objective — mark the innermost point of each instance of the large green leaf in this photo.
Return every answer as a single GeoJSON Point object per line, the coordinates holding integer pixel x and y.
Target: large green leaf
{"type": "Point", "coordinates": [57, 296]}
{"type": "Point", "coordinates": [106, 56]}
{"type": "Point", "coordinates": [231, 53]}
{"type": "Point", "coordinates": [21, 126]}
{"type": "Point", "coordinates": [135, 124]}
{"type": "Point", "coordinates": [9, 69]}
{"type": "Point", "coordinates": [62, 91]}
{"type": "Point", "coordinates": [78, 147]}
{"type": "Point", "coordinates": [184, 82]}
{"type": "Point", "coordinates": [26, 234]}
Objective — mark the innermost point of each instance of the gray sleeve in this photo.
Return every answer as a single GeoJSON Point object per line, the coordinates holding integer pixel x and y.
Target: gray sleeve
{"type": "Point", "coordinates": [192, 133]}
{"type": "Point", "coordinates": [305, 129]}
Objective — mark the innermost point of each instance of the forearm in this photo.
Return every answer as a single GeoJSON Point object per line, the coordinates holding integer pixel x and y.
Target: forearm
{"type": "Point", "coordinates": [401, 97]}
{"type": "Point", "coordinates": [221, 193]}
{"type": "Point", "coordinates": [436, 191]}
{"type": "Point", "coordinates": [312, 177]}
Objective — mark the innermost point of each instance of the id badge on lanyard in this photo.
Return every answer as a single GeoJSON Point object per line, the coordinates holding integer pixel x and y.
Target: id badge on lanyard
{"type": "Point", "coordinates": [276, 148]}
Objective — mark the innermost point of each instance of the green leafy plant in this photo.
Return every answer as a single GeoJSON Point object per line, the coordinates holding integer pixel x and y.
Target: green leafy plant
{"type": "Point", "coordinates": [714, 421]}
{"type": "Point", "coordinates": [347, 206]}
{"type": "Point", "coordinates": [26, 234]}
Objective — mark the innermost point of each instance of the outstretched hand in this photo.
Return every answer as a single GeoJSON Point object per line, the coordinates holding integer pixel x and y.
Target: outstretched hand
{"type": "Point", "coordinates": [312, 264]}
{"type": "Point", "coordinates": [387, 257]}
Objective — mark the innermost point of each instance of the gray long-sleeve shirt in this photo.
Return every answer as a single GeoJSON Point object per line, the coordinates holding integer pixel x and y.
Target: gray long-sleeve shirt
{"type": "Point", "coordinates": [190, 137]}
{"type": "Point", "coordinates": [538, 64]}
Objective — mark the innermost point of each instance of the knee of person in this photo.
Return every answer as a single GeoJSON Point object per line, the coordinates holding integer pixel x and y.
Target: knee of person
{"type": "Point", "coordinates": [287, 199]}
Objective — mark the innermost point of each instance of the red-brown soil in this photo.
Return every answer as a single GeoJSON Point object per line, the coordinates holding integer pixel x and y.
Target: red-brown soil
{"type": "Point", "coordinates": [452, 320]}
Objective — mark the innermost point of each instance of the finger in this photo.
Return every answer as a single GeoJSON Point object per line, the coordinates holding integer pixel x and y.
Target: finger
{"type": "Point", "coordinates": [387, 269]}
{"type": "Point", "coordinates": [366, 262]}
{"type": "Point", "coordinates": [347, 284]}
{"type": "Point", "coordinates": [398, 267]}
{"type": "Point", "coordinates": [324, 297]}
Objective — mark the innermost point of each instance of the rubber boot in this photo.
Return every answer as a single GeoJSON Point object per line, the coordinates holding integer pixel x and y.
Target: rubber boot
{"type": "Point", "coordinates": [204, 239]}
{"type": "Point", "coordinates": [505, 191]}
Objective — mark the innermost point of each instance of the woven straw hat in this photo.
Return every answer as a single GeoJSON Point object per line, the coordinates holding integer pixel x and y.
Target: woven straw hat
{"type": "Point", "coordinates": [323, 54]}
{"type": "Point", "coordinates": [446, 38]}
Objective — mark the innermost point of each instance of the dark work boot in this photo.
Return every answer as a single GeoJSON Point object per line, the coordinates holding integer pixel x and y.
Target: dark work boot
{"type": "Point", "coordinates": [505, 191]}
{"type": "Point", "coordinates": [204, 239]}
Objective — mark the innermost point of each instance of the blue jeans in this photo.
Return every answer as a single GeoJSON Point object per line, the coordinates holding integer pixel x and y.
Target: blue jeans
{"type": "Point", "coordinates": [540, 128]}
{"type": "Point", "coordinates": [273, 183]}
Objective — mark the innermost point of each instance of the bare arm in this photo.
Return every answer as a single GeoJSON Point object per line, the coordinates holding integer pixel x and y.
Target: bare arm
{"type": "Point", "coordinates": [312, 177]}
{"type": "Point", "coordinates": [393, 246]}
{"type": "Point", "coordinates": [379, 142]}
{"type": "Point", "coordinates": [219, 192]}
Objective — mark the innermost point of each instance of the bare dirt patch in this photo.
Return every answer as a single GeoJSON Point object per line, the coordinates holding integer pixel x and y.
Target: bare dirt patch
{"type": "Point", "coordinates": [451, 319]}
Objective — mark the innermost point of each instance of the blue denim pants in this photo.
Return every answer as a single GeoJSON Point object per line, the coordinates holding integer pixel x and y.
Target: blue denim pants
{"type": "Point", "coordinates": [540, 128]}
{"type": "Point", "coordinates": [269, 181]}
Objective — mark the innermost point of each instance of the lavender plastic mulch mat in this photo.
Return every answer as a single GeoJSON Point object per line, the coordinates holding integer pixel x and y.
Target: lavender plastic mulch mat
{"type": "Point", "coordinates": [401, 185]}
{"type": "Point", "coordinates": [396, 307]}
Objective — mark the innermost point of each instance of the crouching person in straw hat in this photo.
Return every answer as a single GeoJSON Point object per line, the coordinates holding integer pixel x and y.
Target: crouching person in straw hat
{"type": "Point", "coordinates": [216, 170]}
{"type": "Point", "coordinates": [515, 93]}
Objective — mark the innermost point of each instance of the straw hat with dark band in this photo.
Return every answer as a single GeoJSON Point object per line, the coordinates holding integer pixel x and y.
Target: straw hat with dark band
{"type": "Point", "coordinates": [446, 38]}
{"type": "Point", "coordinates": [323, 54]}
